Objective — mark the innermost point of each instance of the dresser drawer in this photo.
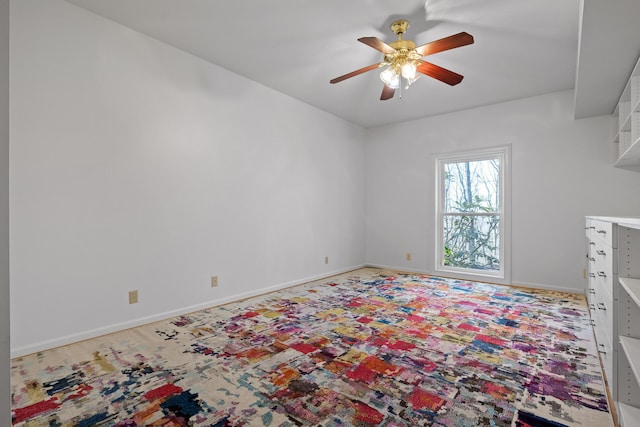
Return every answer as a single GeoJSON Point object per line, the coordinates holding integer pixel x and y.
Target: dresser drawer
{"type": "Point", "coordinates": [603, 232]}
{"type": "Point", "coordinates": [602, 279]}
{"type": "Point", "coordinates": [590, 229]}
{"type": "Point", "coordinates": [603, 307]}
{"type": "Point", "coordinates": [602, 267]}
{"type": "Point", "coordinates": [591, 300]}
{"type": "Point", "coordinates": [602, 254]}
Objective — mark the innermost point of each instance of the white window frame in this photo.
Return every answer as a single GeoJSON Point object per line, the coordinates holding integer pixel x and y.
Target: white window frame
{"type": "Point", "coordinates": [502, 153]}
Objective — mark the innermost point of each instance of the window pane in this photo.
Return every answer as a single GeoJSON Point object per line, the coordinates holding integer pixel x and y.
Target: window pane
{"type": "Point", "coordinates": [472, 186]}
{"type": "Point", "coordinates": [472, 241]}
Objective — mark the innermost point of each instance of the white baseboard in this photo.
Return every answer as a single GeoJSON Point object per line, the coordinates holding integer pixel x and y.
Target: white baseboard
{"type": "Point", "coordinates": [94, 333]}
{"type": "Point", "coordinates": [403, 269]}
{"type": "Point", "coordinates": [548, 287]}
{"type": "Point", "coordinates": [488, 280]}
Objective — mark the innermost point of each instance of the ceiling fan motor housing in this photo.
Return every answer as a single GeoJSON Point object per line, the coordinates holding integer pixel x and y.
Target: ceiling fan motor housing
{"type": "Point", "coordinates": [405, 49]}
{"type": "Point", "coordinates": [399, 27]}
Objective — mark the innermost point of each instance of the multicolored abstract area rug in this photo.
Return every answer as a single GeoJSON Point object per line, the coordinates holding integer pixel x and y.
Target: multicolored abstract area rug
{"type": "Point", "coordinates": [367, 348]}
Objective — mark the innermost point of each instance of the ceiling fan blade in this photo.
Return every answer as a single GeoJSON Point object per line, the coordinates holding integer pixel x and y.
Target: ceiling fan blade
{"type": "Point", "coordinates": [451, 42]}
{"type": "Point", "coordinates": [387, 93]}
{"type": "Point", "coordinates": [355, 73]}
{"type": "Point", "coordinates": [377, 44]}
{"type": "Point", "coordinates": [439, 73]}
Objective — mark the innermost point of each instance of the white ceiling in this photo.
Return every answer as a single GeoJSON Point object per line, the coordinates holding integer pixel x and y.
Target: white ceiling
{"type": "Point", "coordinates": [522, 48]}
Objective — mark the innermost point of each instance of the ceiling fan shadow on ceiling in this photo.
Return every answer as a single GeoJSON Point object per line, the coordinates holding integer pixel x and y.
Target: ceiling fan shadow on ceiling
{"type": "Point", "coordinates": [403, 62]}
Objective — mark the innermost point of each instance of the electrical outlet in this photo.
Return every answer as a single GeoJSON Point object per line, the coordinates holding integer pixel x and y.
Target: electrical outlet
{"type": "Point", "coordinates": [326, 260]}
{"type": "Point", "coordinates": [408, 256]}
{"type": "Point", "coordinates": [214, 281]}
{"type": "Point", "coordinates": [133, 297]}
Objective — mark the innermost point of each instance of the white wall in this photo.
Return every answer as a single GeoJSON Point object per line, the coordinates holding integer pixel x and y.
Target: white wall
{"type": "Point", "coordinates": [135, 165]}
{"type": "Point", "coordinates": [5, 389]}
{"type": "Point", "coordinates": [561, 171]}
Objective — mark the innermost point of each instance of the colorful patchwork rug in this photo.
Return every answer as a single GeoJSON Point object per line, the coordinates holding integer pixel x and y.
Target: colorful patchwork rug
{"type": "Point", "coordinates": [366, 348]}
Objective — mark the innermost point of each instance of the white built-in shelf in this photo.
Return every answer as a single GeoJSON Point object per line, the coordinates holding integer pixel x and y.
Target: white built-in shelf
{"type": "Point", "coordinates": [626, 221]}
{"type": "Point", "coordinates": [630, 156]}
{"type": "Point", "coordinates": [631, 222]}
{"type": "Point", "coordinates": [629, 415]}
{"type": "Point", "coordinates": [631, 347]}
{"type": "Point", "coordinates": [632, 286]}
{"type": "Point", "coordinates": [627, 129]}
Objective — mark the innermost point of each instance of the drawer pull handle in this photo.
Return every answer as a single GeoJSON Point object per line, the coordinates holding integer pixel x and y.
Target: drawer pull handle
{"type": "Point", "coordinates": [602, 351]}
{"type": "Point", "coordinates": [592, 291]}
{"type": "Point", "coordinates": [592, 227]}
{"type": "Point", "coordinates": [593, 322]}
{"type": "Point", "coordinates": [592, 259]}
{"type": "Point", "coordinates": [602, 274]}
{"type": "Point", "coordinates": [601, 252]}
{"type": "Point", "coordinates": [592, 243]}
{"type": "Point", "coordinates": [601, 306]}
{"type": "Point", "coordinates": [592, 307]}
{"type": "Point", "coordinates": [592, 275]}
{"type": "Point", "coordinates": [601, 231]}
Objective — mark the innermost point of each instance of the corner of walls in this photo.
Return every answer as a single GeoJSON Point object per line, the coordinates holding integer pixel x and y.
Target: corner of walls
{"type": "Point", "coordinates": [5, 344]}
{"type": "Point", "coordinates": [138, 166]}
{"type": "Point", "coordinates": [558, 164]}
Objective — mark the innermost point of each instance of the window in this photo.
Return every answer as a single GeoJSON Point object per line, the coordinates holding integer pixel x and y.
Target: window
{"type": "Point", "coordinates": [471, 213]}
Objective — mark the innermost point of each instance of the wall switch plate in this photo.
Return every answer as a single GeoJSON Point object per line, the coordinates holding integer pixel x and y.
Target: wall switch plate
{"type": "Point", "coordinates": [408, 256]}
{"type": "Point", "coordinates": [214, 281]}
{"type": "Point", "coordinates": [133, 297]}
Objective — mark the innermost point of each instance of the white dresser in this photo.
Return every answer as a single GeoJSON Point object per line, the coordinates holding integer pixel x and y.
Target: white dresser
{"type": "Point", "coordinates": [613, 295]}
{"type": "Point", "coordinates": [602, 274]}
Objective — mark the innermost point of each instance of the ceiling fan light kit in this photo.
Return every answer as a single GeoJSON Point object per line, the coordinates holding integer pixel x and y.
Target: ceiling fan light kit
{"type": "Point", "coordinates": [403, 62]}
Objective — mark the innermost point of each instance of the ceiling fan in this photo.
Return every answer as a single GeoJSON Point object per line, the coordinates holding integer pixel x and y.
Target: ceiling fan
{"type": "Point", "coordinates": [403, 60]}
